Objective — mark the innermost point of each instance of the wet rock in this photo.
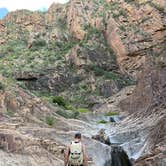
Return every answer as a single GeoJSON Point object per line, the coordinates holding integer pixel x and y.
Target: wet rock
{"type": "Point", "coordinates": [112, 119]}
{"type": "Point", "coordinates": [119, 157]}
{"type": "Point", "coordinates": [102, 137]}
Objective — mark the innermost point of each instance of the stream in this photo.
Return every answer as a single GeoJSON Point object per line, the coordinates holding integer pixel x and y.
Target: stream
{"type": "Point", "coordinates": [118, 156]}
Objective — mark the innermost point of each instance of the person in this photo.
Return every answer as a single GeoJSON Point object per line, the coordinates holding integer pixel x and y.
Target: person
{"type": "Point", "coordinates": [75, 154]}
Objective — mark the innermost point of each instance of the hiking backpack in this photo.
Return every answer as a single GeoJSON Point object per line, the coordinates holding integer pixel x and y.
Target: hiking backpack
{"type": "Point", "coordinates": [76, 153]}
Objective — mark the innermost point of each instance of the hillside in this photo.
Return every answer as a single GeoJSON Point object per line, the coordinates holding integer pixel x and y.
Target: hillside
{"type": "Point", "coordinates": [63, 70]}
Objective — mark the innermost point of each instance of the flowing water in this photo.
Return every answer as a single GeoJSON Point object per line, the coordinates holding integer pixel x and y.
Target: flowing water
{"type": "Point", "coordinates": [118, 156]}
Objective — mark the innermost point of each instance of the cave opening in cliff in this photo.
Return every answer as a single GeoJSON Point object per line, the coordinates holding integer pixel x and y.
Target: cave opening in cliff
{"type": "Point", "coordinates": [27, 79]}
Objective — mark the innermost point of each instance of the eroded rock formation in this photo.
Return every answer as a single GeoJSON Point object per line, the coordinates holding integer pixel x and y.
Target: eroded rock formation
{"type": "Point", "coordinates": [89, 52]}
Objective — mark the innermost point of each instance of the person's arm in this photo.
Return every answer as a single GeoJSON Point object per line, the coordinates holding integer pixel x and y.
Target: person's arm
{"type": "Point", "coordinates": [85, 156]}
{"type": "Point", "coordinates": [66, 157]}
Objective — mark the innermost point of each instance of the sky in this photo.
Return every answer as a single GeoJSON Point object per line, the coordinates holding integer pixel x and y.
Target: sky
{"type": "Point", "coordinates": [12, 5]}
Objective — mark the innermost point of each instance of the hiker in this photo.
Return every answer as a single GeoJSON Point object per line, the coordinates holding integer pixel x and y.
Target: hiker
{"type": "Point", "coordinates": [75, 154]}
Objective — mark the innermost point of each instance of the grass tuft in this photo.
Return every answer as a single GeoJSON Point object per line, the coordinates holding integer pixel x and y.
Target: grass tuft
{"type": "Point", "coordinates": [111, 113]}
{"type": "Point", "coordinates": [102, 122]}
{"type": "Point", "coordinates": [83, 110]}
{"type": "Point", "coordinates": [50, 120]}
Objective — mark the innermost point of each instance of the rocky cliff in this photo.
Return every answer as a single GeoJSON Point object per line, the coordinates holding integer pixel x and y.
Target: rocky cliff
{"type": "Point", "coordinates": [73, 67]}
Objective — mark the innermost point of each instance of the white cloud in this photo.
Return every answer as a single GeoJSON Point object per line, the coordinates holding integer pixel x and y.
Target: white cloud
{"type": "Point", "coordinates": [28, 4]}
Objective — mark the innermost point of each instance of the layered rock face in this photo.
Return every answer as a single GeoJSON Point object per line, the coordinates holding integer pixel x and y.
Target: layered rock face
{"type": "Point", "coordinates": [83, 54]}
{"type": "Point", "coordinates": [157, 144]}
{"type": "Point", "coordinates": [25, 132]}
{"type": "Point", "coordinates": [135, 31]}
{"type": "Point", "coordinates": [150, 94]}
{"type": "Point", "coordinates": [148, 100]}
{"type": "Point", "coordinates": [131, 29]}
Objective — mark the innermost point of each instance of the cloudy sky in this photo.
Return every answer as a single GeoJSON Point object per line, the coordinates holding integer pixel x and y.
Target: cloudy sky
{"type": "Point", "coordinates": [28, 4]}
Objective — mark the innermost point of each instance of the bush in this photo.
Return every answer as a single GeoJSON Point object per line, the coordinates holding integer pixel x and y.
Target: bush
{"type": "Point", "coordinates": [59, 100]}
{"type": "Point", "coordinates": [50, 120]}
{"type": "Point", "coordinates": [127, 82]}
{"type": "Point", "coordinates": [10, 113]}
{"type": "Point", "coordinates": [2, 87]}
{"type": "Point", "coordinates": [60, 47]}
{"type": "Point", "coordinates": [84, 87]}
{"type": "Point", "coordinates": [69, 107]}
{"type": "Point", "coordinates": [122, 13]}
{"type": "Point", "coordinates": [97, 70]}
{"type": "Point", "coordinates": [111, 113]}
{"type": "Point", "coordinates": [61, 24]}
{"type": "Point", "coordinates": [83, 110]}
{"type": "Point", "coordinates": [38, 44]}
{"type": "Point", "coordinates": [102, 121]}
{"type": "Point", "coordinates": [75, 114]}
{"type": "Point", "coordinates": [128, 1]}
{"type": "Point", "coordinates": [111, 75]}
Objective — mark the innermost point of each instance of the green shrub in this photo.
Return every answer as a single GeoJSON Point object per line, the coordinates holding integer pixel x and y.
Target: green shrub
{"type": "Point", "coordinates": [122, 28]}
{"type": "Point", "coordinates": [111, 113]}
{"type": "Point", "coordinates": [69, 107]}
{"type": "Point", "coordinates": [50, 120]}
{"type": "Point", "coordinates": [63, 113]}
{"type": "Point", "coordinates": [102, 121]}
{"type": "Point", "coordinates": [111, 75]}
{"type": "Point", "coordinates": [10, 113]}
{"type": "Point", "coordinates": [91, 31]}
{"type": "Point", "coordinates": [75, 114]}
{"type": "Point", "coordinates": [128, 1]}
{"type": "Point", "coordinates": [22, 84]}
{"type": "Point", "coordinates": [97, 70]}
{"type": "Point", "coordinates": [83, 110]}
{"type": "Point", "coordinates": [127, 82]}
{"type": "Point", "coordinates": [59, 100]}
{"type": "Point", "coordinates": [122, 13]}
{"type": "Point", "coordinates": [61, 24]}
{"type": "Point", "coordinates": [61, 47]}
{"type": "Point", "coordinates": [36, 44]}
{"type": "Point", "coordinates": [85, 87]}
{"type": "Point", "coordinates": [2, 87]}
